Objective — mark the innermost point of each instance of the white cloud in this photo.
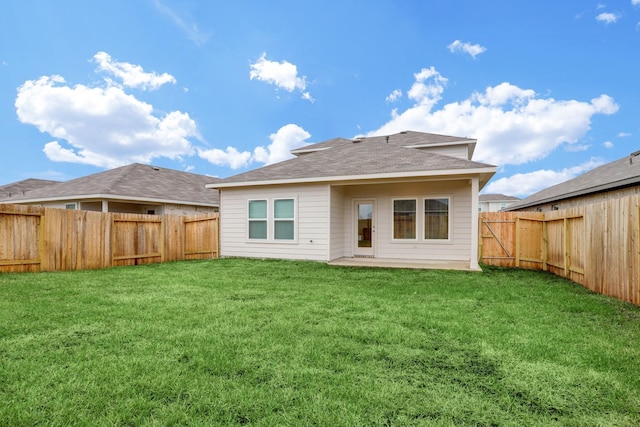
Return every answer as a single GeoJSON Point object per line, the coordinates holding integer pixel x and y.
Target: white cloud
{"type": "Point", "coordinates": [624, 134]}
{"type": "Point", "coordinates": [427, 94]}
{"type": "Point", "coordinates": [131, 75]}
{"type": "Point", "coordinates": [512, 125]}
{"type": "Point", "coordinates": [608, 17]}
{"type": "Point", "coordinates": [468, 48]}
{"type": "Point", "coordinates": [230, 157]}
{"type": "Point", "coordinates": [287, 138]}
{"type": "Point", "coordinates": [283, 75]}
{"type": "Point", "coordinates": [103, 126]}
{"type": "Point", "coordinates": [185, 23]}
{"type": "Point", "coordinates": [394, 96]}
{"type": "Point", "coordinates": [525, 184]}
{"type": "Point", "coordinates": [574, 148]}
{"type": "Point", "coordinates": [608, 144]}
{"type": "Point", "coordinates": [635, 2]}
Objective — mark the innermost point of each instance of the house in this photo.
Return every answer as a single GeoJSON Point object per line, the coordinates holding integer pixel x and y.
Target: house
{"type": "Point", "coordinates": [410, 196]}
{"type": "Point", "coordinates": [21, 187]}
{"type": "Point", "coordinates": [495, 202]}
{"type": "Point", "coordinates": [613, 180]}
{"type": "Point", "coordinates": [135, 188]}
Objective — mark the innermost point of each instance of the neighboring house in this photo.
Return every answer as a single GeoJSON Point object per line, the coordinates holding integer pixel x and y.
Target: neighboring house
{"type": "Point", "coordinates": [135, 188]}
{"type": "Point", "coordinates": [407, 196]}
{"type": "Point", "coordinates": [19, 188]}
{"type": "Point", "coordinates": [613, 180]}
{"type": "Point", "coordinates": [495, 202]}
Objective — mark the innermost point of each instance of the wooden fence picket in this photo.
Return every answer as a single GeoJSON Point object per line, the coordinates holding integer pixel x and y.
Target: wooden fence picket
{"type": "Point", "coordinates": [34, 238]}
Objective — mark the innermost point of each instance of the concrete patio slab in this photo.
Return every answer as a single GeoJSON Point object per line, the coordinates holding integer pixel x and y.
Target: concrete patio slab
{"type": "Point", "coordinates": [403, 263]}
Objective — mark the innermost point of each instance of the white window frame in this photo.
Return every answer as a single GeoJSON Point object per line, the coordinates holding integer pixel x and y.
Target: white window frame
{"type": "Point", "coordinates": [294, 219]}
{"type": "Point", "coordinates": [271, 221]}
{"type": "Point", "coordinates": [449, 218]}
{"type": "Point", "coordinates": [420, 220]}
{"type": "Point", "coordinates": [393, 228]}
{"type": "Point", "coordinates": [249, 220]}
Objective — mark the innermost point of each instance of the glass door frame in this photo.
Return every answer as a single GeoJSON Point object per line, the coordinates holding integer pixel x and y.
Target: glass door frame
{"type": "Point", "coordinates": [359, 237]}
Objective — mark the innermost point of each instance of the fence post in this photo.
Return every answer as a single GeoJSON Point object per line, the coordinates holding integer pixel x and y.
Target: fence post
{"type": "Point", "coordinates": [567, 254]}
{"type": "Point", "coordinates": [517, 248]}
{"type": "Point", "coordinates": [545, 244]}
{"type": "Point", "coordinates": [480, 237]}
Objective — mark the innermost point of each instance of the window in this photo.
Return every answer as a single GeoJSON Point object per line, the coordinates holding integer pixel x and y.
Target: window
{"type": "Point", "coordinates": [257, 219]}
{"type": "Point", "coordinates": [70, 206]}
{"type": "Point", "coordinates": [436, 219]}
{"type": "Point", "coordinates": [404, 219]}
{"type": "Point", "coordinates": [283, 219]}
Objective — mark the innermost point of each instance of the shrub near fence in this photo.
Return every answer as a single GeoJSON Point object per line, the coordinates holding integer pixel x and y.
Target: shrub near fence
{"type": "Point", "coordinates": [595, 245]}
{"type": "Point", "coordinates": [34, 238]}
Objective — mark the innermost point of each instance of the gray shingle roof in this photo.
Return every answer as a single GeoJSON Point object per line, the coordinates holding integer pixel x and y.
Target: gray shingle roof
{"type": "Point", "coordinates": [20, 187]}
{"type": "Point", "coordinates": [135, 181]}
{"type": "Point", "coordinates": [496, 198]}
{"type": "Point", "coordinates": [619, 173]}
{"type": "Point", "coordinates": [345, 158]}
{"type": "Point", "coordinates": [402, 139]}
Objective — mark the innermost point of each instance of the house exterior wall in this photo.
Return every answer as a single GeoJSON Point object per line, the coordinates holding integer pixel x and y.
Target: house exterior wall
{"type": "Point", "coordinates": [339, 222]}
{"type": "Point", "coordinates": [312, 206]}
{"type": "Point", "coordinates": [583, 200]}
{"type": "Point", "coordinates": [457, 248]}
{"type": "Point", "coordinates": [494, 206]}
{"type": "Point", "coordinates": [325, 221]}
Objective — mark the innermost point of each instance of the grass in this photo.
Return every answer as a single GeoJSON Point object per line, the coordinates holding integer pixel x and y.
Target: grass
{"type": "Point", "coordinates": [232, 341]}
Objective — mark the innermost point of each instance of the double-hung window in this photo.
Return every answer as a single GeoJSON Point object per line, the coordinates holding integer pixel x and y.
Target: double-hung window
{"type": "Point", "coordinates": [272, 220]}
{"type": "Point", "coordinates": [436, 219]}
{"type": "Point", "coordinates": [283, 219]}
{"type": "Point", "coordinates": [404, 219]}
{"type": "Point", "coordinates": [258, 219]}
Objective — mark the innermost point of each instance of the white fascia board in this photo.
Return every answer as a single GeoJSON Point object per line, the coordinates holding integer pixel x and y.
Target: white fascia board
{"type": "Point", "coordinates": [380, 176]}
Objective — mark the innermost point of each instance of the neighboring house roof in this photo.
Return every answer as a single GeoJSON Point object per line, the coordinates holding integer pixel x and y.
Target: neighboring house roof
{"type": "Point", "coordinates": [21, 187]}
{"type": "Point", "coordinates": [371, 158]}
{"type": "Point", "coordinates": [497, 198]}
{"type": "Point", "coordinates": [135, 182]}
{"type": "Point", "coordinates": [620, 173]}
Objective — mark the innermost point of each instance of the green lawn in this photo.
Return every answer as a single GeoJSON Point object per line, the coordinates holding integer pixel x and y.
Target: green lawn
{"type": "Point", "coordinates": [274, 343]}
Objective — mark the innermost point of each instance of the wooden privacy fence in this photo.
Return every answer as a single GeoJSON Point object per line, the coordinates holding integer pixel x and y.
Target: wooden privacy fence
{"type": "Point", "coordinates": [35, 238]}
{"type": "Point", "coordinates": [595, 245]}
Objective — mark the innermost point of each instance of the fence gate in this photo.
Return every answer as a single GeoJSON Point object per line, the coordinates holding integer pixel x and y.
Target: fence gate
{"type": "Point", "coordinates": [508, 239]}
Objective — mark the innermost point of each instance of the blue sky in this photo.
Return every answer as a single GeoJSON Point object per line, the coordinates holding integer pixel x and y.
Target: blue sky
{"type": "Point", "coordinates": [549, 88]}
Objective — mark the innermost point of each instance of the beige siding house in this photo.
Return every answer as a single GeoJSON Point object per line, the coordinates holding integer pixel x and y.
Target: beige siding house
{"type": "Point", "coordinates": [396, 197]}
{"type": "Point", "coordinates": [613, 180]}
{"type": "Point", "coordinates": [135, 188]}
{"type": "Point", "coordinates": [495, 202]}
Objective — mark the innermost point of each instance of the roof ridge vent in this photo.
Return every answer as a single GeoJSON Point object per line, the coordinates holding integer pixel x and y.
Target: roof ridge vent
{"type": "Point", "coordinates": [358, 139]}
{"type": "Point", "coordinates": [634, 157]}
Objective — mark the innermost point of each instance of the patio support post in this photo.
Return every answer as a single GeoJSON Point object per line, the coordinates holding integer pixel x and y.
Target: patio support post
{"type": "Point", "coordinates": [473, 256]}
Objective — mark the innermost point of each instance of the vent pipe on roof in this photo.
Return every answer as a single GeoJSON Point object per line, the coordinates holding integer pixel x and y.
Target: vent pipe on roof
{"type": "Point", "coordinates": [387, 139]}
{"type": "Point", "coordinates": [633, 157]}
